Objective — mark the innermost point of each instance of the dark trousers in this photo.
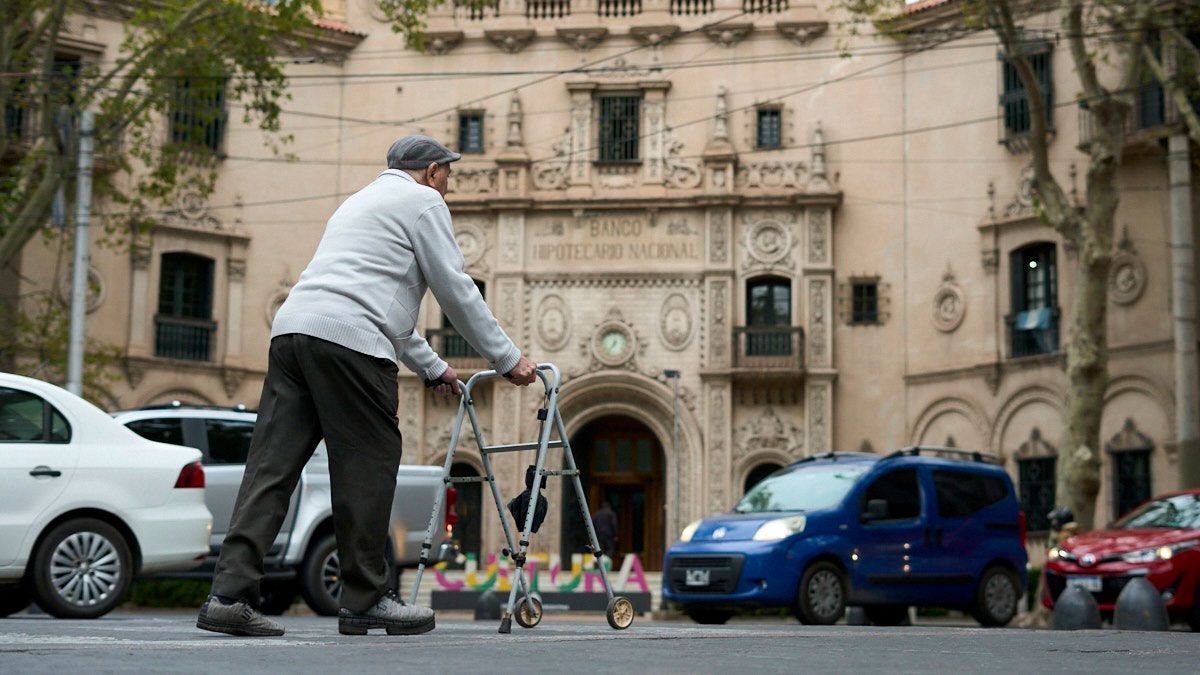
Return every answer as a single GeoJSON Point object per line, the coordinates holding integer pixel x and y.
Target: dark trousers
{"type": "Point", "coordinates": [316, 389]}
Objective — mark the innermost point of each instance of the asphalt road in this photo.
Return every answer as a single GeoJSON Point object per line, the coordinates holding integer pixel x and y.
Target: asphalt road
{"type": "Point", "coordinates": [170, 643]}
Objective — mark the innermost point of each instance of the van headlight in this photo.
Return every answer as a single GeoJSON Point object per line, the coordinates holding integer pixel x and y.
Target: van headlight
{"type": "Point", "coordinates": [689, 531]}
{"type": "Point", "coordinates": [780, 528]}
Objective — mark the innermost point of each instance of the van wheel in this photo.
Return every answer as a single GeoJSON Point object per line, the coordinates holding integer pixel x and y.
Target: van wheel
{"type": "Point", "coordinates": [81, 569]}
{"type": "Point", "coordinates": [996, 598]}
{"type": "Point", "coordinates": [709, 616]}
{"type": "Point", "coordinates": [320, 577]}
{"type": "Point", "coordinates": [886, 615]}
{"type": "Point", "coordinates": [13, 599]}
{"type": "Point", "coordinates": [821, 598]}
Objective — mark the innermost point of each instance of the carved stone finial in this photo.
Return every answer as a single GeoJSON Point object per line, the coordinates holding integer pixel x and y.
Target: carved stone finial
{"type": "Point", "coordinates": [515, 120]}
{"type": "Point", "coordinates": [817, 179]}
{"type": "Point", "coordinates": [1074, 190]}
{"type": "Point", "coordinates": [721, 117]}
{"type": "Point", "coordinates": [991, 195]}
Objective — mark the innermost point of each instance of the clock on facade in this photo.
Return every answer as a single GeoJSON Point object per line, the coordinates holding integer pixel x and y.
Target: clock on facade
{"type": "Point", "coordinates": [613, 344]}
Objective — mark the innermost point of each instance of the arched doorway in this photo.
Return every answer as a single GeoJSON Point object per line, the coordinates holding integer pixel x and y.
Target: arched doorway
{"type": "Point", "coordinates": [468, 530]}
{"type": "Point", "coordinates": [620, 462]}
{"type": "Point", "coordinates": [758, 473]}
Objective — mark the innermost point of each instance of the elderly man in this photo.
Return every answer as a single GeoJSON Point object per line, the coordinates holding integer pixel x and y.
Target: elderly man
{"type": "Point", "coordinates": [331, 374]}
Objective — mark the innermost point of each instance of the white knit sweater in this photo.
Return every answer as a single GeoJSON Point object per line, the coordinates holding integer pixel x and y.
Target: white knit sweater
{"type": "Point", "coordinates": [382, 248]}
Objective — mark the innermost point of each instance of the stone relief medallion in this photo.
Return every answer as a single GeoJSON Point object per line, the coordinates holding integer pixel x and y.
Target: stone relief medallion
{"type": "Point", "coordinates": [96, 290]}
{"type": "Point", "coordinates": [554, 323]}
{"type": "Point", "coordinates": [769, 241]}
{"type": "Point", "coordinates": [275, 300]}
{"type": "Point", "coordinates": [1126, 278]}
{"type": "Point", "coordinates": [613, 344]}
{"type": "Point", "coordinates": [949, 307]}
{"type": "Point", "coordinates": [675, 322]}
{"type": "Point", "coordinates": [471, 241]}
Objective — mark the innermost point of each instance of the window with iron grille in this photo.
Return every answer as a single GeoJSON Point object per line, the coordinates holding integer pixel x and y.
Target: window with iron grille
{"type": "Point", "coordinates": [1150, 103]}
{"type": "Point", "coordinates": [1033, 323]}
{"type": "Point", "coordinates": [768, 312]}
{"type": "Point", "coordinates": [1036, 483]}
{"type": "Point", "coordinates": [470, 131]}
{"type": "Point", "coordinates": [1131, 479]}
{"type": "Point", "coordinates": [198, 113]}
{"type": "Point", "coordinates": [770, 128]}
{"type": "Point", "coordinates": [620, 128]}
{"type": "Point", "coordinates": [1014, 100]}
{"type": "Point", "coordinates": [183, 327]}
{"type": "Point", "coordinates": [864, 301]}
{"type": "Point", "coordinates": [454, 345]}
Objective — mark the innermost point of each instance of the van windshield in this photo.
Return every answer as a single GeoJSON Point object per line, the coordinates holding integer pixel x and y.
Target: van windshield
{"type": "Point", "coordinates": [806, 489]}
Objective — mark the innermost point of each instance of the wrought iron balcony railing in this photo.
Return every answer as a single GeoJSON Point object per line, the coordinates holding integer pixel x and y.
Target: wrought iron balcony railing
{"type": "Point", "coordinates": [183, 338]}
{"type": "Point", "coordinates": [454, 348]}
{"type": "Point", "coordinates": [768, 347]}
{"type": "Point", "coordinates": [1032, 333]}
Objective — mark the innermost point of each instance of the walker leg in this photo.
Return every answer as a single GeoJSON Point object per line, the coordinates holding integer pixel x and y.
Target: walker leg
{"type": "Point", "coordinates": [427, 542]}
{"type": "Point", "coordinates": [583, 505]}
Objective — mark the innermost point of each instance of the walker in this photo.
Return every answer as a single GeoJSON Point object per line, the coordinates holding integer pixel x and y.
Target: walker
{"type": "Point", "coordinates": [526, 609]}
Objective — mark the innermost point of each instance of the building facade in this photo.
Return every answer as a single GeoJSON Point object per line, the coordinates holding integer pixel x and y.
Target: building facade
{"type": "Point", "coordinates": [830, 237]}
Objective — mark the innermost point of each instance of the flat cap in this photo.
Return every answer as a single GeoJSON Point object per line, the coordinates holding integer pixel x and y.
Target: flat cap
{"type": "Point", "coordinates": [417, 152]}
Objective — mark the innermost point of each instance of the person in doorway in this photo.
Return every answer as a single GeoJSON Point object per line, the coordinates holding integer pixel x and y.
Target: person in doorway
{"type": "Point", "coordinates": [605, 523]}
{"type": "Point", "coordinates": [331, 374]}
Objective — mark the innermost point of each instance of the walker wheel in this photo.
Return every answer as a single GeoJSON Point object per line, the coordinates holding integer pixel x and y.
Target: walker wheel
{"type": "Point", "coordinates": [528, 614]}
{"type": "Point", "coordinates": [620, 612]}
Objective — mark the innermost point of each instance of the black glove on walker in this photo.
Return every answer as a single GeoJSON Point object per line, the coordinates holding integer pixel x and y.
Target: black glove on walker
{"type": "Point", "coordinates": [519, 506]}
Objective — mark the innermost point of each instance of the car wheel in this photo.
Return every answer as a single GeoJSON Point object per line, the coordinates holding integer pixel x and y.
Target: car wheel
{"type": "Point", "coordinates": [81, 569]}
{"type": "Point", "coordinates": [277, 596]}
{"type": "Point", "coordinates": [997, 597]}
{"type": "Point", "coordinates": [709, 616]}
{"type": "Point", "coordinates": [13, 598]}
{"type": "Point", "coordinates": [821, 598]}
{"type": "Point", "coordinates": [886, 615]}
{"type": "Point", "coordinates": [320, 577]}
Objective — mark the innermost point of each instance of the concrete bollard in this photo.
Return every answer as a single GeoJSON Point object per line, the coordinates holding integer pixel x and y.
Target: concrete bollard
{"type": "Point", "coordinates": [487, 607]}
{"type": "Point", "coordinates": [1076, 609]}
{"type": "Point", "coordinates": [1140, 607]}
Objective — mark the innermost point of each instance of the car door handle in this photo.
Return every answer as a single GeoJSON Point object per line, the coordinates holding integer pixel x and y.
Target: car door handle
{"type": "Point", "coordinates": [40, 471]}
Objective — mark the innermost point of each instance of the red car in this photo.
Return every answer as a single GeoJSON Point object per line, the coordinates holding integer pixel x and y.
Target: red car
{"type": "Point", "coordinates": [1159, 540]}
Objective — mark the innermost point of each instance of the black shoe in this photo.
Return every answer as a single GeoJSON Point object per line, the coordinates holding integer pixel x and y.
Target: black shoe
{"type": "Point", "coordinates": [390, 613]}
{"type": "Point", "coordinates": [238, 618]}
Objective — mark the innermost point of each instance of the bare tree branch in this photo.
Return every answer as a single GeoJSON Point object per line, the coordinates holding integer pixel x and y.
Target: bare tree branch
{"type": "Point", "coordinates": [1177, 95]}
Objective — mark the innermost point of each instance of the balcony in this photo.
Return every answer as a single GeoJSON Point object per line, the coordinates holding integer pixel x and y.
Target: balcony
{"type": "Point", "coordinates": [183, 338]}
{"type": "Point", "coordinates": [454, 349]}
{"type": "Point", "coordinates": [481, 10]}
{"type": "Point", "coordinates": [1153, 117]}
{"type": "Point", "coordinates": [1032, 333]}
{"type": "Point", "coordinates": [768, 349]}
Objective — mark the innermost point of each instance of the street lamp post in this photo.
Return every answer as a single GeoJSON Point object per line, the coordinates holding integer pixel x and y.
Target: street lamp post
{"type": "Point", "coordinates": [673, 375]}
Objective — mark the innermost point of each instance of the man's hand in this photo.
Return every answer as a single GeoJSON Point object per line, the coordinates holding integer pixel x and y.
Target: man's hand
{"type": "Point", "coordinates": [522, 374]}
{"type": "Point", "coordinates": [449, 383]}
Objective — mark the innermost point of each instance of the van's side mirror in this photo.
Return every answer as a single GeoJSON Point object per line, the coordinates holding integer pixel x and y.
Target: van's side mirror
{"type": "Point", "coordinates": [877, 509]}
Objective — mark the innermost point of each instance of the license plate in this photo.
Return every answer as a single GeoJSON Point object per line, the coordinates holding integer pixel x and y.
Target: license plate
{"type": "Point", "coordinates": [697, 577]}
{"type": "Point", "coordinates": [1091, 584]}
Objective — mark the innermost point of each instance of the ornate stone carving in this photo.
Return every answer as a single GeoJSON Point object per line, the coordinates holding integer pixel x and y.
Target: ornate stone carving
{"type": "Point", "coordinates": [191, 211]}
{"type": "Point", "coordinates": [473, 243]}
{"type": "Point", "coordinates": [231, 380]}
{"type": "Point", "coordinates": [510, 238]}
{"type": "Point", "coordinates": [817, 180]}
{"type": "Point", "coordinates": [818, 221]}
{"type": "Point", "coordinates": [990, 259]}
{"type": "Point", "coordinates": [728, 34]}
{"type": "Point", "coordinates": [473, 181]}
{"type": "Point", "coordinates": [551, 174]}
{"type": "Point", "coordinates": [675, 323]}
{"type": "Point", "coordinates": [441, 42]}
{"type": "Point", "coordinates": [680, 173]}
{"type": "Point", "coordinates": [134, 372]}
{"type": "Point", "coordinates": [802, 32]}
{"type": "Point", "coordinates": [719, 235]}
{"type": "Point", "coordinates": [1129, 438]}
{"type": "Point", "coordinates": [720, 131]}
{"type": "Point", "coordinates": [1022, 201]}
{"type": "Point", "coordinates": [718, 326]}
{"type": "Point", "coordinates": [717, 451]}
{"type": "Point", "coordinates": [582, 39]}
{"type": "Point", "coordinates": [620, 68]}
{"type": "Point", "coordinates": [768, 431]}
{"type": "Point", "coordinates": [767, 175]}
{"type": "Point", "coordinates": [515, 137]}
{"type": "Point", "coordinates": [949, 304]}
{"type": "Point", "coordinates": [1036, 446]}
{"type": "Point", "coordinates": [617, 176]}
{"type": "Point", "coordinates": [768, 243]}
{"type": "Point", "coordinates": [654, 36]}
{"type": "Point", "coordinates": [816, 418]}
{"type": "Point", "coordinates": [410, 407]}
{"type": "Point", "coordinates": [817, 321]}
{"type": "Point", "coordinates": [1127, 276]}
{"type": "Point", "coordinates": [612, 343]}
{"type": "Point", "coordinates": [235, 269]}
{"type": "Point", "coordinates": [554, 323]}
{"type": "Point", "coordinates": [508, 306]}
{"type": "Point", "coordinates": [140, 256]}
{"type": "Point", "coordinates": [97, 291]}
{"type": "Point", "coordinates": [510, 41]}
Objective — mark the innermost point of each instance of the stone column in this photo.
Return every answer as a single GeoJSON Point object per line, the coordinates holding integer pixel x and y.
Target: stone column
{"type": "Point", "coordinates": [236, 272]}
{"type": "Point", "coordinates": [817, 298]}
{"type": "Point", "coordinates": [139, 300]}
{"type": "Point", "coordinates": [580, 170]}
{"type": "Point", "coordinates": [718, 410]}
{"type": "Point", "coordinates": [1183, 310]}
{"type": "Point", "coordinates": [654, 127]}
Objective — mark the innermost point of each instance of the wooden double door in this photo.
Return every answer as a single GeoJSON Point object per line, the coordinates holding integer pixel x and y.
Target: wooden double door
{"type": "Point", "coordinates": [621, 462]}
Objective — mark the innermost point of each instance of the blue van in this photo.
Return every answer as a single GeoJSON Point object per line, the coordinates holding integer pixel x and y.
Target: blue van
{"type": "Point", "coordinates": [881, 532]}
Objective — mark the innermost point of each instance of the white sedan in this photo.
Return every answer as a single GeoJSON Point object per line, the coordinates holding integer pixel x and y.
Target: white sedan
{"type": "Point", "coordinates": [86, 504]}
